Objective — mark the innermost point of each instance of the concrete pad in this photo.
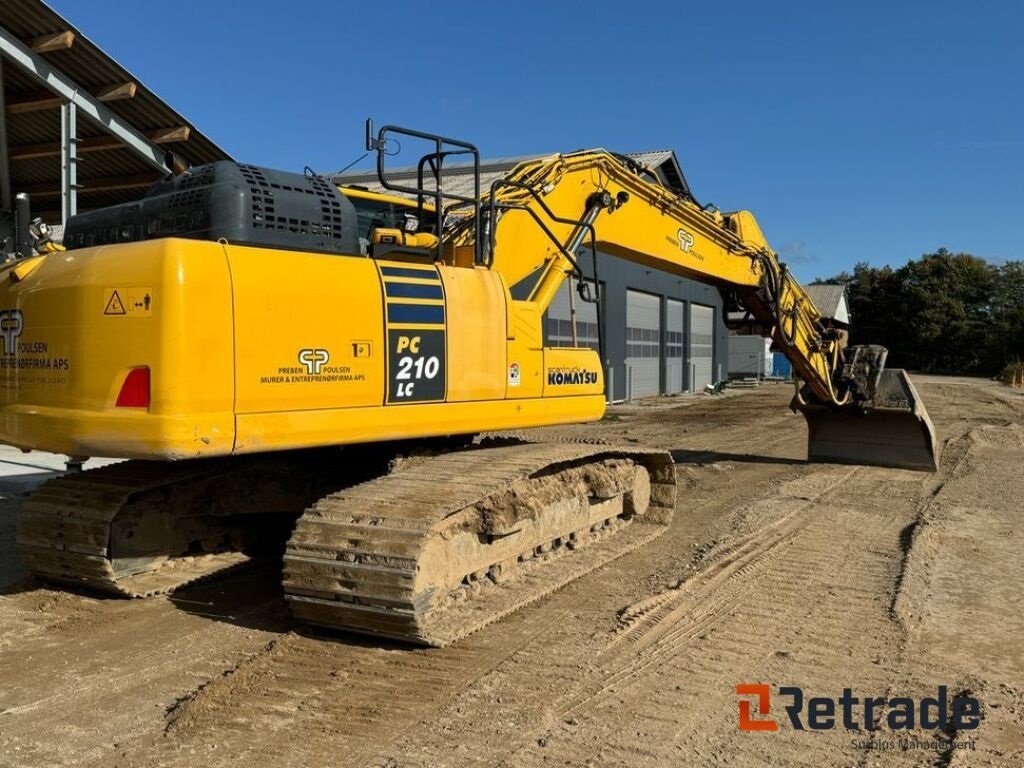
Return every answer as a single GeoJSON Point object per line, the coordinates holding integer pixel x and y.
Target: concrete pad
{"type": "Point", "coordinates": [22, 472]}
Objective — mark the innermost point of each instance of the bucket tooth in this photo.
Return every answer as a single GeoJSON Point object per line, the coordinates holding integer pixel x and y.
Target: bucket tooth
{"type": "Point", "coordinates": [895, 432]}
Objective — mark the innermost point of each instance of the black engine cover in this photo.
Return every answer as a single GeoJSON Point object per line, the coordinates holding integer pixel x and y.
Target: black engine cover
{"type": "Point", "coordinates": [238, 203]}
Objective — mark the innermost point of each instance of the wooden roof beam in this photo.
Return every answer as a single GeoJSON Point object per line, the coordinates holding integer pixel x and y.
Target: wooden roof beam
{"type": "Point", "coordinates": [98, 143]}
{"type": "Point", "coordinates": [108, 184]}
{"type": "Point", "coordinates": [170, 135]}
{"type": "Point", "coordinates": [42, 100]}
{"type": "Point", "coordinates": [116, 91]}
{"type": "Point", "coordinates": [55, 41]}
{"type": "Point", "coordinates": [35, 65]}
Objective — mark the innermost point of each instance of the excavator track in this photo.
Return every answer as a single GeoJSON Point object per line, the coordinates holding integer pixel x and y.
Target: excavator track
{"type": "Point", "coordinates": [143, 528]}
{"type": "Point", "coordinates": [450, 543]}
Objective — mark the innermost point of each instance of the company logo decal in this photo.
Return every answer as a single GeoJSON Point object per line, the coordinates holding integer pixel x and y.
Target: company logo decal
{"type": "Point", "coordinates": [314, 368]}
{"type": "Point", "coordinates": [763, 694]}
{"type": "Point", "coordinates": [314, 360]}
{"type": "Point", "coordinates": [941, 713]}
{"type": "Point", "coordinates": [558, 377]}
{"type": "Point", "coordinates": [685, 240]}
{"type": "Point", "coordinates": [11, 324]}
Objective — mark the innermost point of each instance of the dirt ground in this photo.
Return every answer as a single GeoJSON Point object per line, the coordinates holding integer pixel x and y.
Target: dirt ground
{"type": "Point", "coordinates": [774, 571]}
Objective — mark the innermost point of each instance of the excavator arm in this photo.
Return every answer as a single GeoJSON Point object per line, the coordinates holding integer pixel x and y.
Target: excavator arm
{"type": "Point", "coordinates": [538, 215]}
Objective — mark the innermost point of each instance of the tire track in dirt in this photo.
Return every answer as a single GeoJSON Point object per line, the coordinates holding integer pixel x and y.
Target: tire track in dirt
{"type": "Point", "coordinates": [278, 705]}
{"type": "Point", "coordinates": [815, 609]}
{"type": "Point", "coordinates": [762, 633]}
{"type": "Point", "coordinates": [368, 696]}
{"type": "Point", "coordinates": [698, 605]}
{"type": "Point", "coordinates": [95, 672]}
{"type": "Point", "coordinates": [968, 534]}
{"type": "Point", "coordinates": [759, 612]}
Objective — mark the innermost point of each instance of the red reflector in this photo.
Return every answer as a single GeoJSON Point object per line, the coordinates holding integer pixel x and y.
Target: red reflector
{"type": "Point", "coordinates": [135, 390]}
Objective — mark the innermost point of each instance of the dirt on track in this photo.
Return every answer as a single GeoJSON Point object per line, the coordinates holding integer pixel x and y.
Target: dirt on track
{"type": "Point", "coordinates": [885, 581]}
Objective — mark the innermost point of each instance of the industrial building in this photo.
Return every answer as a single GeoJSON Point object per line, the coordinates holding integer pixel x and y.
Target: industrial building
{"type": "Point", "coordinates": [77, 130]}
{"type": "Point", "coordinates": [751, 354]}
{"type": "Point", "coordinates": [663, 334]}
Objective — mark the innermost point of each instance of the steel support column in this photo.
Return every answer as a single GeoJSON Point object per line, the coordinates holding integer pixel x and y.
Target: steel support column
{"type": "Point", "coordinates": [68, 161]}
{"type": "Point", "coordinates": [37, 67]}
{"type": "Point", "coordinates": [6, 199]}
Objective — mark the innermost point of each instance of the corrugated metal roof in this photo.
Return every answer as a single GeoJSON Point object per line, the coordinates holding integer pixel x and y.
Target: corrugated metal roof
{"type": "Point", "coordinates": [830, 301]}
{"type": "Point", "coordinates": [458, 177]}
{"type": "Point", "coordinates": [88, 66]}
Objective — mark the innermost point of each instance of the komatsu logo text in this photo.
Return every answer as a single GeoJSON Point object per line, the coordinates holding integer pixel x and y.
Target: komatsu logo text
{"type": "Point", "coordinates": [11, 324]}
{"type": "Point", "coordinates": [568, 376]}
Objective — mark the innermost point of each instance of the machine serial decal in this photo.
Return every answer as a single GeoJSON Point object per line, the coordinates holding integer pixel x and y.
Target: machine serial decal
{"type": "Point", "coordinates": [418, 373]}
{"type": "Point", "coordinates": [416, 333]}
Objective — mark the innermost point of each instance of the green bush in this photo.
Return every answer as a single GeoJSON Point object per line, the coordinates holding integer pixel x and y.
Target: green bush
{"type": "Point", "coordinates": [1011, 373]}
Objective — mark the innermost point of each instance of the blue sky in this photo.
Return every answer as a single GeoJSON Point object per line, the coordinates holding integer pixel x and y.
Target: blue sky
{"type": "Point", "coordinates": [864, 131]}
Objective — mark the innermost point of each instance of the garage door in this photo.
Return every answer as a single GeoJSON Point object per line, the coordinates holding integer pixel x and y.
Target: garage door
{"type": "Point", "coordinates": [702, 345]}
{"type": "Point", "coordinates": [674, 346]}
{"type": "Point", "coordinates": [559, 321]}
{"type": "Point", "coordinates": [643, 344]}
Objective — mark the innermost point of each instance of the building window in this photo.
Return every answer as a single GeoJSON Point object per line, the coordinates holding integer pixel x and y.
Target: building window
{"type": "Point", "coordinates": [558, 326]}
{"type": "Point", "coordinates": [642, 342]}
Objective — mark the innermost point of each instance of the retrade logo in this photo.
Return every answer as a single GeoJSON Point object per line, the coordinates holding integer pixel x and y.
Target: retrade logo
{"type": "Point", "coordinates": [961, 712]}
{"type": "Point", "coordinates": [314, 360]}
{"type": "Point", "coordinates": [763, 694]}
{"type": "Point", "coordinates": [11, 324]}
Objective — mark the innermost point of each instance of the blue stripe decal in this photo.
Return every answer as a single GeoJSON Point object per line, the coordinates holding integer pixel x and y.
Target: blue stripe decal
{"type": "Point", "coordinates": [413, 291]}
{"type": "Point", "coordinates": [416, 313]}
{"type": "Point", "coordinates": [423, 274]}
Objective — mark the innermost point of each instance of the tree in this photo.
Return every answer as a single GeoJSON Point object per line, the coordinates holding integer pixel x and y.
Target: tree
{"type": "Point", "coordinates": [945, 312]}
{"type": "Point", "coordinates": [1007, 336]}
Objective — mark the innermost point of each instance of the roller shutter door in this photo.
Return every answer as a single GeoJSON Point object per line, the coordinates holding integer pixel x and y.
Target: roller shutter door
{"type": "Point", "coordinates": [702, 345]}
{"type": "Point", "coordinates": [674, 346]}
{"type": "Point", "coordinates": [643, 344]}
{"type": "Point", "coordinates": [558, 326]}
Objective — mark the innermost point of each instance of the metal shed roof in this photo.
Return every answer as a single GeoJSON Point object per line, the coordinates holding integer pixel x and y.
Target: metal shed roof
{"type": "Point", "coordinates": [42, 54]}
{"type": "Point", "coordinates": [830, 301]}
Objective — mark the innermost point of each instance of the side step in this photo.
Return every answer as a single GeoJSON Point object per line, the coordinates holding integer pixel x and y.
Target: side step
{"type": "Point", "coordinates": [895, 432]}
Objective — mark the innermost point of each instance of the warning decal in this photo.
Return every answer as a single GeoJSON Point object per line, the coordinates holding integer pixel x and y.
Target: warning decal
{"type": "Point", "coordinates": [128, 302]}
{"type": "Point", "coordinates": [114, 305]}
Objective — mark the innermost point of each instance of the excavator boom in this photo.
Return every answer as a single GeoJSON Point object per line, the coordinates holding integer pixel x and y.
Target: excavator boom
{"type": "Point", "coordinates": [856, 410]}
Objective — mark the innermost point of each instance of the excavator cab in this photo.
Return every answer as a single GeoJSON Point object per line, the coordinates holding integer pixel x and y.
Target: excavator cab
{"type": "Point", "coordinates": [388, 220]}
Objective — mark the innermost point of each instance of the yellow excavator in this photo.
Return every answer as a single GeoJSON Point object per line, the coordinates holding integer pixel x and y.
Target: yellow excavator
{"type": "Point", "coordinates": [284, 359]}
